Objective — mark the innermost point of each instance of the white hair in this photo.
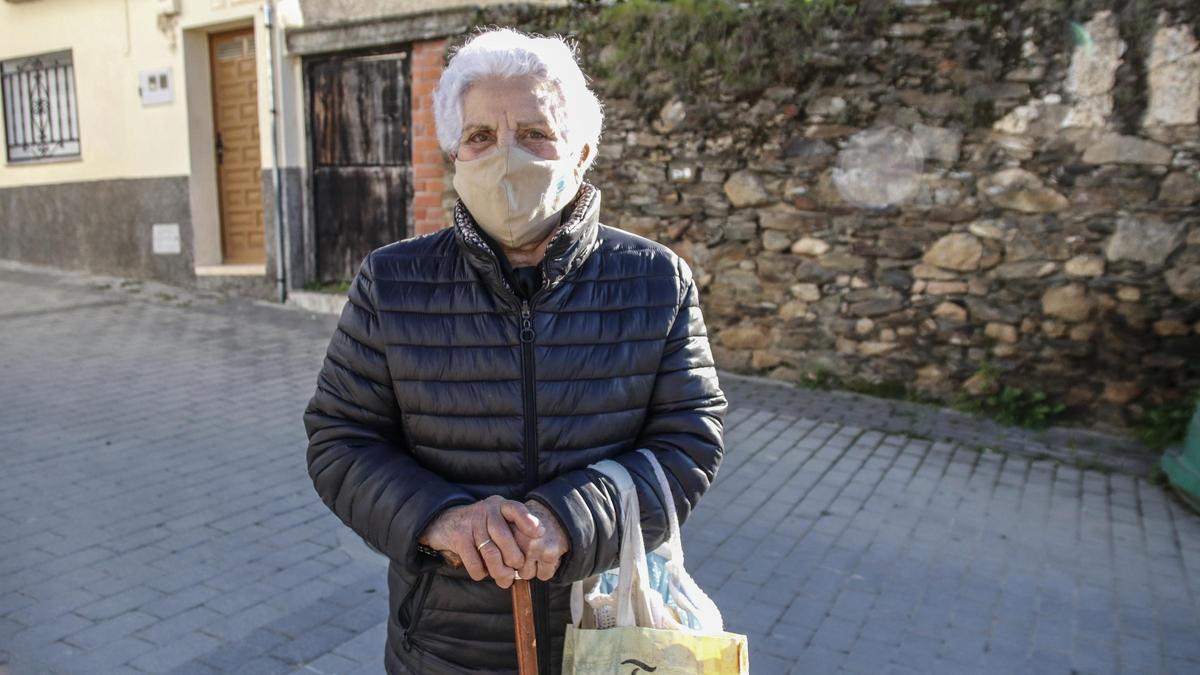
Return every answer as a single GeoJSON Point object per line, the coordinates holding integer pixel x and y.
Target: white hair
{"type": "Point", "coordinates": [505, 52]}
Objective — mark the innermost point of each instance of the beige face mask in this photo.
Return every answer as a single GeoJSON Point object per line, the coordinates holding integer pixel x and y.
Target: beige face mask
{"type": "Point", "coordinates": [514, 195]}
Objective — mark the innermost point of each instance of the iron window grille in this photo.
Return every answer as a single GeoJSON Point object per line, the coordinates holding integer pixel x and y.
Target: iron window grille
{"type": "Point", "coordinates": [41, 117]}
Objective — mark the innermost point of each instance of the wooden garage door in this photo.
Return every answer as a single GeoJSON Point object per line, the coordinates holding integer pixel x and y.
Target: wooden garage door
{"type": "Point", "coordinates": [359, 120]}
{"type": "Point", "coordinates": [239, 166]}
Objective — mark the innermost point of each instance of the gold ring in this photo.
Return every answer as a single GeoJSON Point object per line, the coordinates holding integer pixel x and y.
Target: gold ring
{"type": "Point", "coordinates": [485, 543]}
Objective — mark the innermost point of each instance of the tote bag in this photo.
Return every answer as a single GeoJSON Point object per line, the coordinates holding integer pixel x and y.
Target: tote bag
{"type": "Point", "coordinates": [647, 614]}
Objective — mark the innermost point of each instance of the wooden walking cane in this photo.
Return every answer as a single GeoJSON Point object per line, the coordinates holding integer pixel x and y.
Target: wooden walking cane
{"type": "Point", "coordinates": [526, 637]}
{"type": "Point", "coordinates": [523, 620]}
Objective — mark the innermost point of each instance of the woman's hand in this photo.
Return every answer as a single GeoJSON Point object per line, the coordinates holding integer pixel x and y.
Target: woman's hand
{"type": "Point", "coordinates": [480, 537]}
{"type": "Point", "coordinates": [542, 552]}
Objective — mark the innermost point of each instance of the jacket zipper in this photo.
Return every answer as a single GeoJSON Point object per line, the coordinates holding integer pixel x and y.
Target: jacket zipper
{"type": "Point", "coordinates": [527, 386]}
{"type": "Point", "coordinates": [538, 591]}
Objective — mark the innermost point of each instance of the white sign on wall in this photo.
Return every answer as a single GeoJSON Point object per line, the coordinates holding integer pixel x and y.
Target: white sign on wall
{"type": "Point", "coordinates": [156, 86]}
{"type": "Point", "coordinates": [166, 238]}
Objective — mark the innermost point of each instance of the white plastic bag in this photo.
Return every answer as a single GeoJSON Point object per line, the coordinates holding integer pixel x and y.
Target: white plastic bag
{"type": "Point", "coordinates": [650, 590]}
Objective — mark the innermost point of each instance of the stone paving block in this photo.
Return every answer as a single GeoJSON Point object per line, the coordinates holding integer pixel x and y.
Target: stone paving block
{"type": "Point", "coordinates": [241, 597]}
{"type": "Point", "coordinates": [869, 656]}
{"type": "Point", "coordinates": [817, 659]}
{"type": "Point", "coordinates": [1139, 654]}
{"type": "Point", "coordinates": [976, 621]}
{"type": "Point", "coordinates": [87, 577]}
{"type": "Point", "coordinates": [1180, 643]}
{"type": "Point", "coordinates": [118, 603]}
{"type": "Point", "coordinates": [107, 656]}
{"type": "Point", "coordinates": [372, 668]}
{"type": "Point", "coordinates": [1053, 661]}
{"type": "Point", "coordinates": [312, 643]}
{"type": "Point", "coordinates": [52, 606]}
{"type": "Point", "coordinates": [243, 622]}
{"type": "Point", "coordinates": [182, 578]}
{"type": "Point", "coordinates": [73, 543]}
{"type": "Point", "coordinates": [52, 656]}
{"type": "Point", "coordinates": [770, 664]}
{"type": "Point", "coordinates": [109, 630]}
{"type": "Point", "coordinates": [894, 669]}
{"type": "Point", "coordinates": [713, 572]}
{"type": "Point", "coordinates": [300, 622]}
{"type": "Point", "coordinates": [194, 668]}
{"type": "Point", "coordinates": [358, 619]}
{"type": "Point", "coordinates": [41, 633]}
{"type": "Point", "coordinates": [266, 665]}
{"type": "Point", "coordinates": [1092, 663]}
{"type": "Point", "coordinates": [297, 535]}
{"type": "Point", "coordinates": [171, 604]}
{"type": "Point", "coordinates": [13, 601]}
{"type": "Point", "coordinates": [291, 601]}
{"type": "Point", "coordinates": [852, 605]}
{"type": "Point", "coordinates": [758, 570]}
{"type": "Point", "coordinates": [794, 635]}
{"type": "Point", "coordinates": [232, 655]}
{"type": "Point", "coordinates": [963, 646]}
{"type": "Point", "coordinates": [298, 574]}
{"type": "Point", "coordinates": [120, 577]}
{"type": "Point", "coordinates": [930, 620]}
{"type": "Point", "coordinates": [835, 633]}
{"type": "Point", "coordinates": [244, 574]}
{"type": "Point", "coordinates": [168, 630]}
{"type": "Point", "coordinates": [344, 575]}
{"type": "Point", "coordinates": [332, 664]}
{"type": "Point", "coordinates": [367, 646]}
{"type": "Point", "coordinates": [757, 618]}
{"type": "Point", "coordinates": [804, 611]}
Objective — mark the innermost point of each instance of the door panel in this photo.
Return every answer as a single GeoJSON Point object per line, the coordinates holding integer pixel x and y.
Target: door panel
{"type": "Point", "coordinates": [359, 121]}
{"type": "Point", "coordinates": [239, 163]}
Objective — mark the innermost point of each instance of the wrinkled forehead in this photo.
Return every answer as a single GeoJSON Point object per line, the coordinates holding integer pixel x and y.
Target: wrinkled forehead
{"type": "Point", "coordinates": [512, 102]}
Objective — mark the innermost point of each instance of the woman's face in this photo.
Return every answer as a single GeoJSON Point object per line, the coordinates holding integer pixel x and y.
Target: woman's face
{"type": "Point", "coordinates": [520, 110]}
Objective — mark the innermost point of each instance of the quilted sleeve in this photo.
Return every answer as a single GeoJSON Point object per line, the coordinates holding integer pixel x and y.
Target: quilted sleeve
{"type": "Point", "coordinates": [357, 456]}
{"type": "Point", "coordinates": [684, 428]}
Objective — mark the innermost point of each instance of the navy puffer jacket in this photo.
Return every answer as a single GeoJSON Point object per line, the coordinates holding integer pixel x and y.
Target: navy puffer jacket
{"type": "Point", "coordinates": [441, 386]}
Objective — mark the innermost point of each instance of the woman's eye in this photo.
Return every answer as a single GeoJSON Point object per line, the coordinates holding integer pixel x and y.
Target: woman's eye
{"type": "Point", "coordinates": [536, 135]}
{"type": "Point", "coordinates": [478, 137]}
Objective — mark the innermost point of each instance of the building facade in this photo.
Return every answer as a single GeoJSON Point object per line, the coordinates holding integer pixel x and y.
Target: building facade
{"type": "Point", "coordinates": [165, 139]}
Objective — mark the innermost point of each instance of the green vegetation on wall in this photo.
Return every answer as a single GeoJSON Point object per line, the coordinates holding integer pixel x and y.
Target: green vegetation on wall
{"type": "Point", "coordinates": [1015, 406]}
{"type": "Point", "coordinates": [1166, 424]}
{"type": "Point", "coordinates": [650, 50]}
{"type": "Point", "coordinates": [726, 48]}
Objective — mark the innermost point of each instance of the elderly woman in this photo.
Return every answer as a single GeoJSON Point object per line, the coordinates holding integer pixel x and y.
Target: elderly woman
{"type": "Point", "coordinates": [476, 372]}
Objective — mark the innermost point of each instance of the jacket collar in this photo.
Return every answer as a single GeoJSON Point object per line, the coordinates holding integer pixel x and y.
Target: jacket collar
{"type": "Point", "coordinates": [574, 238]}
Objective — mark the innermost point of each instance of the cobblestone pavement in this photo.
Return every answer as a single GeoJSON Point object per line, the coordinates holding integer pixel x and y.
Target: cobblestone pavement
{"type": "Point", "coordinates": [156, 515]}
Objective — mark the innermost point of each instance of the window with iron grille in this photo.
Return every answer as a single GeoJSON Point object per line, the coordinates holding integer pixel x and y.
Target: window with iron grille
{"type": "Point", "coordinates": [41, 118]}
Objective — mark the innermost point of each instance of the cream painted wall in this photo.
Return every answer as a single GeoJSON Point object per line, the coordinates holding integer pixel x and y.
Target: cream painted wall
{"type": "Point", "coordinates": [112, 40]}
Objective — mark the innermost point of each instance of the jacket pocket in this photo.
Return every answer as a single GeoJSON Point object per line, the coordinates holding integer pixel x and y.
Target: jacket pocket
{"type": "Point", "coordinates": [411, 606]}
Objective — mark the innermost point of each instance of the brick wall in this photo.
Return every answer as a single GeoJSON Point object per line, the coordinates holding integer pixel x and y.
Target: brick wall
{"type": "Point", "coordinates": [428, 59]}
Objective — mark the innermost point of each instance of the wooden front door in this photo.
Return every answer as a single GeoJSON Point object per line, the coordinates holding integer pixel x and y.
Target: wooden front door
{"type": "Point", "coordinates": [239, 166]}
{"type": "Point", "coordinates": [359, 121]}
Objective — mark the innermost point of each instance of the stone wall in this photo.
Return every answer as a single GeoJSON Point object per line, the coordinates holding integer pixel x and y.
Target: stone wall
{"type": "Point", "coordinates": [955, 202]}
